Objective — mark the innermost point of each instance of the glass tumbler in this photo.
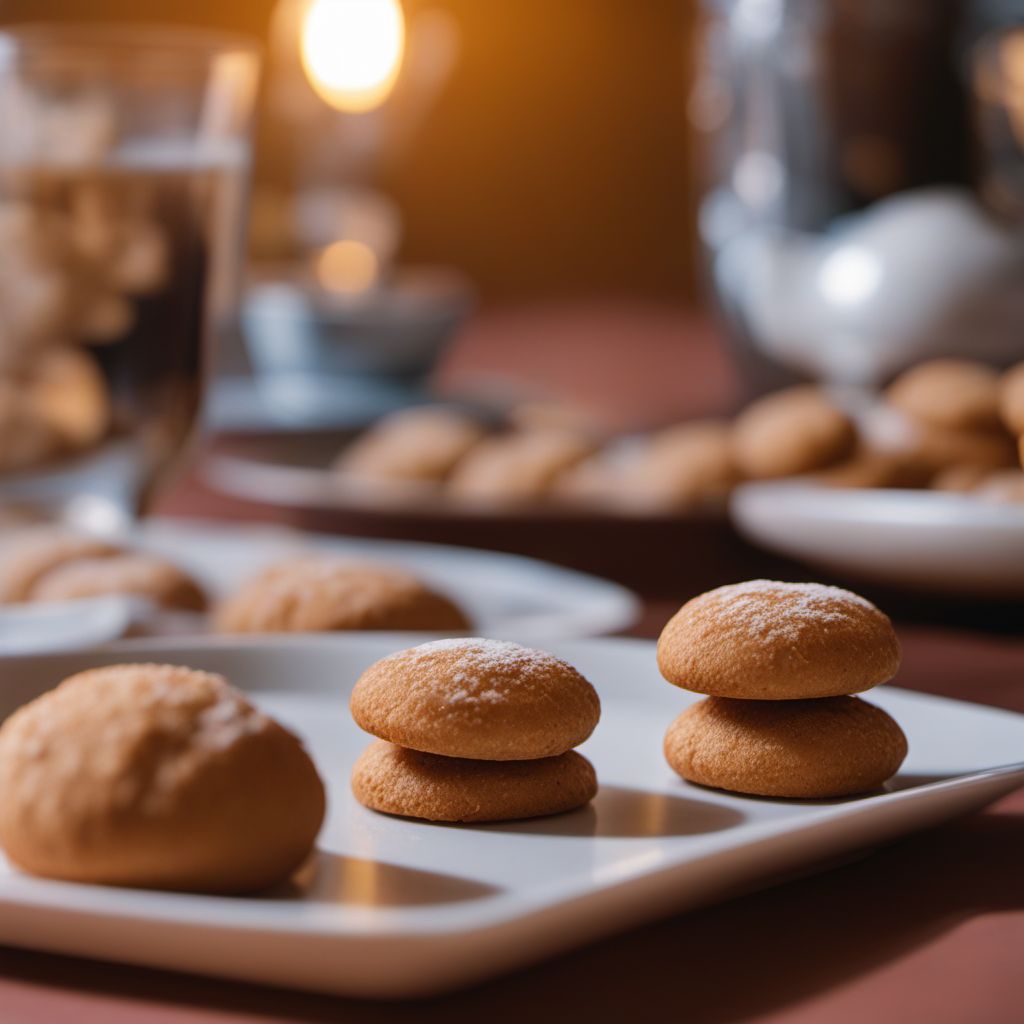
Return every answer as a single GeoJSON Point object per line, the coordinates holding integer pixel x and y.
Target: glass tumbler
{"type": "Point", "coordinates": [124, 157]}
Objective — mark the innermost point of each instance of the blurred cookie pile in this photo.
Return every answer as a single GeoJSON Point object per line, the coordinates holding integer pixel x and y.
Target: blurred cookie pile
{"type": "Point", "coordinates": [948, 425]}
{"type": "Point", "coordinates": [81, 250]}
{"type": "Point", "coordinates": [100, 283]}
{"type": "Point", "coordinates": [302, 594]}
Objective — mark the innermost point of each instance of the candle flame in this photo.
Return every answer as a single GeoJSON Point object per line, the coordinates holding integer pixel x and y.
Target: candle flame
{"type": "Point", "coordinates": [347, 267]}
{"type": "Point", "coordinates": [352, 51]}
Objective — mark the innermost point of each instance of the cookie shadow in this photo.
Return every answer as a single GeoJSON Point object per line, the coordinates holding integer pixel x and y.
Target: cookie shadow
{"type": "Point", "coordinates": [618, 812]}
{"type": "Point", "coordinates": [354, 882]}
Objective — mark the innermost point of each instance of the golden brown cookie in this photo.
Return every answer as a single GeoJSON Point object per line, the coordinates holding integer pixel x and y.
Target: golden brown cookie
{"type": "Point", "coordinates": [1011, 399]}
{"type": "Point", "coordinates": [957, 394]}
{"type": "Point", "coordinates": [690, 465]}
{"type": "Point", "coordinates": [137, 575]}
{"type": "Point", "coordinates": [961, 479]}
{"type": "Point", "coordinates": [309, 595]}
{"type": "Point", "coordinates": [487, 699]}
{"type": "Point", "coordinates": [27, 438]}
{"type": "Point", "coordinates": [518, 467]}
{"type": "Point", "coordinates": [792, 432]}
{"type": "Point", "coordinates": [814, 749]}
{"type": "Point", "coordinates": [421, 444]}
{"type": "Point", "coordinates": [766, 640]}
{"type": "Point", "coordinates": [26, 556]}
{"type": "Point", "coordinates": [70, 394]}
{"type": "Point", "coordinates": [1006, 487]}
{"type": "Point", "coordinates": [943, 447]}
{"type": "Point", "coordinates": [416, 785]}
{"type": "Point", "coordinates": [155, 776]}
{"type": "Point", "coordinates": [870, 468]}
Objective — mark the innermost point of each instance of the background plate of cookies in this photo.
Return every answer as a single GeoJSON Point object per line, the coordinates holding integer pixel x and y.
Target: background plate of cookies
{"type": "Point", "coordinates": [267, 837]}
{"type": "Point", "coordinates": [177, 577]}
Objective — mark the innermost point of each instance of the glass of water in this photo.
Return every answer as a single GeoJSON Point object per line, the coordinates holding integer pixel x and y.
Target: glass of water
{"type": "Point", "coordinates": [124, 157]}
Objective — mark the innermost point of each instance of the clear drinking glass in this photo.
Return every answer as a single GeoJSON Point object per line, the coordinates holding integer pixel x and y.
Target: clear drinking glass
{"type": "Point", "coordinates": [124, 155]}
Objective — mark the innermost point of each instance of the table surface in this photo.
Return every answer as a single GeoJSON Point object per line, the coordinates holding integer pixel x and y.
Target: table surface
{"type": "Point", "coordinates": [929, 929]}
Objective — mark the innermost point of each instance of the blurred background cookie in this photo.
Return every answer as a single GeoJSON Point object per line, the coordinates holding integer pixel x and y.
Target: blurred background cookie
{"type": "Point", "coordinates": [326, 595]}
{"type": "Point", "coordinates": [138, 575]}
{"type": "Point", "coordinates": [419, 444]}
{"type": "Point", "coordinates": [1011, 399]}
{"type": "Point", "coordinates": [791, 432]}
{"type": "Point", "coordinates": [958, 394]}
{"type": "Point", "coordinates": [518, 467]}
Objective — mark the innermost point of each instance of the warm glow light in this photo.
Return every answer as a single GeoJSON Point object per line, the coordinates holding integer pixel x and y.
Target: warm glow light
{"type": "Point", "coordinates": [352, 51]}
{"type": "Point", "coordinates": [347, 267]}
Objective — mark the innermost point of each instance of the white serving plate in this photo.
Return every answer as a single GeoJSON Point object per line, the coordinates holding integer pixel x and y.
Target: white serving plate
{"type": "Point", "coordinates": [390, 907]}
{"type": "Point", "coordinates": [927, 540]}
{"type": "Point", "coordinates": [502, 594]}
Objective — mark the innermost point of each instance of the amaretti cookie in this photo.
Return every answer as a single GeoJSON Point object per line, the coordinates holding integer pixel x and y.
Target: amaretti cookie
{"type": "Point", "coordinates": [155, 776]}
{"type": "Point", "coordinates": [405, 782]}
{"type": "Point", "coordinates": [798, 430]}
{"type": "Point", "coordinates": [1011, 399]}
{"type": "Point", "coordinates": [767, 640]}
{"type": "Point", "coordinates": [958, 394]}
{"type": "Point", "coordinates": [474, 698]}
{"type": "Point", "coordinates": [420, 444]}
{"type": "Point", "coordinates": [687, 466]}
{"type": "Point", "coordinates": [518, 467]}
{"type": "Point", "coordinates": [308, 595]}
{"type": "Point", "coordinates": [27, 556]}
{"type": "Point", "coordinates": [134, 574]}
{"type": "Point", "coordinates": [54, 564]}
{"type": "Point", "coordinates": [835, 747]}
{"type": "Point", "coordinates": [474, 730]}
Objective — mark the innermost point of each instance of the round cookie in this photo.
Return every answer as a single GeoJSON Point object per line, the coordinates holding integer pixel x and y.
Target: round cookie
{"type": "Point", "coordinates": [961, 479]}
{"type": "Point", "coordinates": [870, 468]}
{"type": "Point", "coordinates": [940, 448]}
{"type": "Point", "coordinates": [1011, 399]}
{"type": "Point", "coordinates": [790, 432]}
{"type": "Point", "coordinates": [766, 640]}
{"type": "Point", "coordinates": [518, 467]}
{"type": "Point", "coordinates": [686, 466]}
{"type": "Point", "coordinates": [413, 445]}
{"type": "Point", "coordinates": [813, 749]}
{"type": "Point", "coordinates": [489, 700]}
{"type": "Point", "coordinates": [70, 393]}
{"type": "Point", "coordinates": [1006, 487]}
{"type": "Point", "coordinates": [412, 784]}
{"type": "Point", "coordinates": [955, 393]}
{"type": "Point", "coordinates": [155, 776]}
{"type": "Point", "coordinates": [328, 595]}
{"type": "Point", "coordinates": [137, 575]}
{"type": "Point", "coordinates": [27, 438]}
{"type": "Point", "coordinates": [26, 556]}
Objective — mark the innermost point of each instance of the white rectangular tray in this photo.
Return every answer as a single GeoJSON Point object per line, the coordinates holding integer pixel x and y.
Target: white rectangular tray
{"type": "Point", "coordinates": [397, 908]}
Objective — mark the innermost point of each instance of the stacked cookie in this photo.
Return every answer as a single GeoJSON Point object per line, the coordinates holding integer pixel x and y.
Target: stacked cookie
{"type": "Point", "coordinates": [474, 730]}
{"type": "Point", "coordinates": [779, 663]}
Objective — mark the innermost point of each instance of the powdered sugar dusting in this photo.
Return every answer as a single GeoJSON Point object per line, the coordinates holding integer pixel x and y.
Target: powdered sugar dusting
{"type": "Point", "coordinates": [773, 611]}
{"type": "Point", "coordinates": [481, 669]}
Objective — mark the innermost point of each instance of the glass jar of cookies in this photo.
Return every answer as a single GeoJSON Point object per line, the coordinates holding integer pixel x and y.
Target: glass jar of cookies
{"type": "Point", "coordinates": [123, 159]}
